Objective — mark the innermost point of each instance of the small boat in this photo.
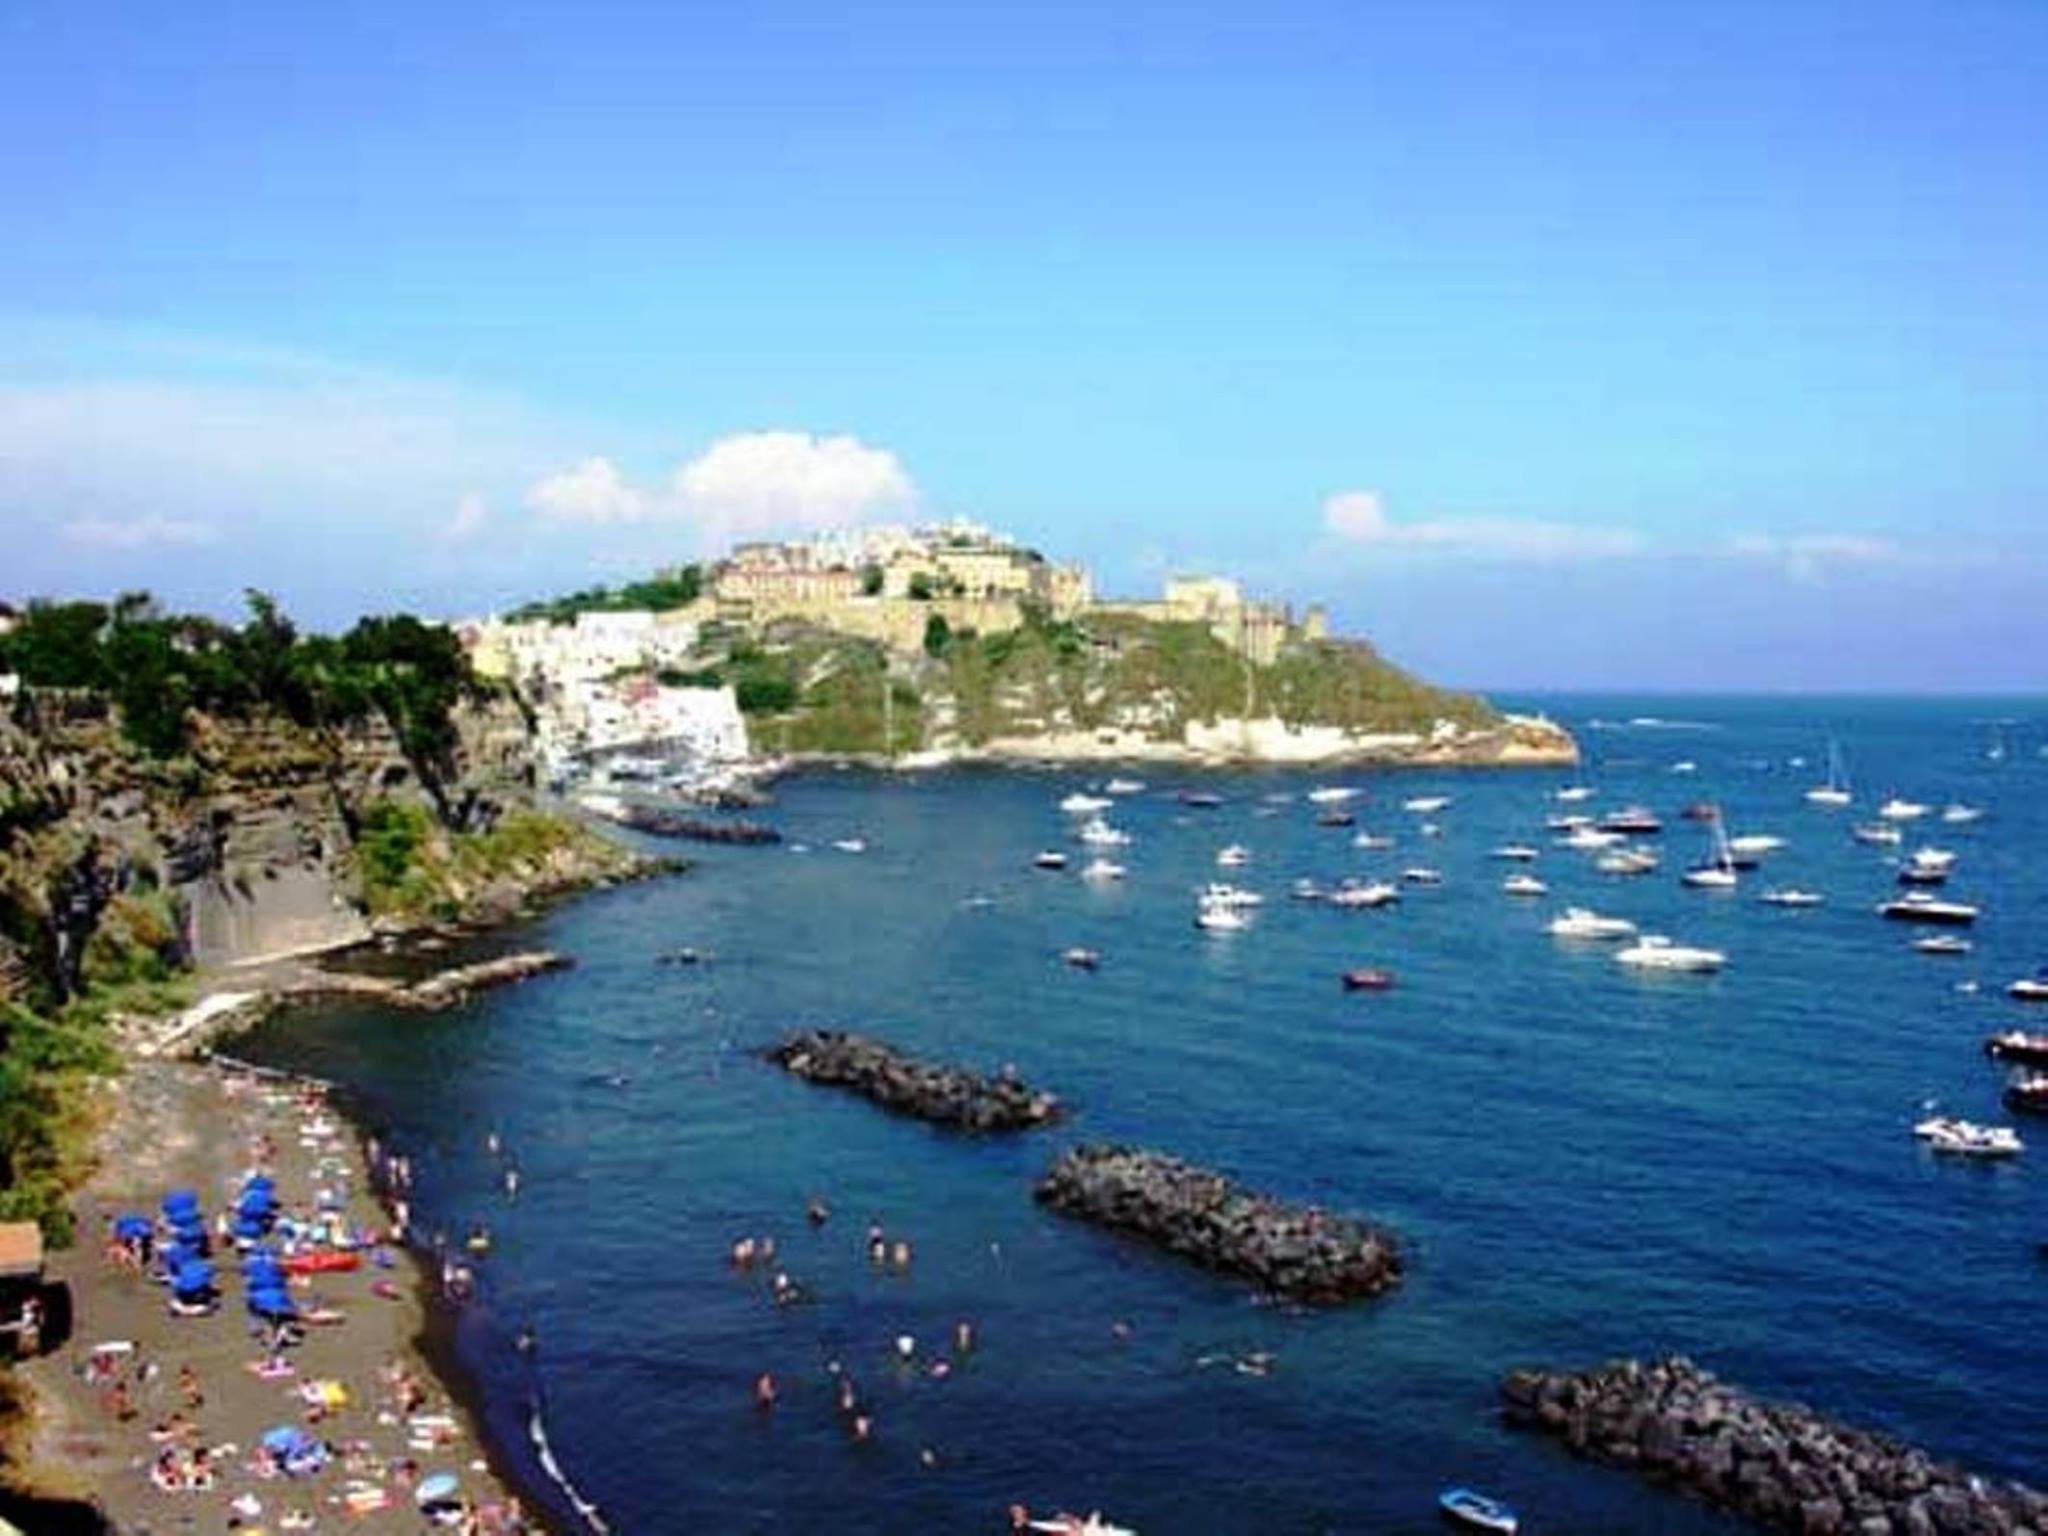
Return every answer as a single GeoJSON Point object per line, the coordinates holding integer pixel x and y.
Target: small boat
{"type": "Point", "coordinates": [1371, 840]}
{"type": "Point", "coordinates": [1332, 794]}
{"type": "Point", "coordinates": [1426, 805]}
{"type": "Point", "coordinates": [1081, 959]}
{"type": "Point", "coordinates": [1717, 872]}
{"type": "Point", "coordinates": [1353, 893]}
{"type": "Point", "coordinates": [1421, 874]}
{"type": "Point", "coordinates": [1753, 845]}
{"type": "Point", "coordinates": [1878, 834]}
{"type": "Point", "coordinates": [1791, 896]}
{"type": "Point", "coordinates": [1911, 873]}
{"type": "Point", "coordinates": [2028, 1095]}
{"type": "Point", "coordinates": [1932, 858]}
{"type": "Point", "coordinates": [1097, 833]}
{"type": "Point", "coordinates": [1572, 794]}
{"type": "Point", "coordinates": [1221, 919]}
{"type": "Point", "coordinates": [1835, 793]}
{"type": "Point", "coordinates": [1079, 804]}
{"type": "Point", "coordinates": [2018, 1045]}
{"type": "Point", "coordinates": [1305, 889]}
{"type": "Point", "coordinates": [1627, 861]}
{"type": "Point", "coordinates": [1920, 907]}
{"type": "Point", "coordinates": [325, 1262]}
{"type": "Point", "coordinates": [1964, 1138]}
{"type": "Point", "coordinates": [2031, 989]}
{"type": "Point", "coordinates": [1961, 815]}
{"type": "Point", "coordinates": [850, 844]}
{"type": "Point", "coordinates": [1336, 819]}
{"type": "Point", "coordinates": [1477, 1511]}
{"type": "Point", "coordinates": [1567, 821]}
{"type": "Point", "coordinates": [1654, 952]}
{"type": "Point", "coordinates": [1685, 765]}
{"type": "Point", "coordinates": [1584, 923]}
{"type": "Point", "coordinates": [1102, 871]}
{"type": "Point", "coordinates": [1091, 1524]}
{"type": "Point", "coordinates": [1590, 839]}
{"type": "Point", "coordinates": [1233, 856]}
{"type": "Point", "coordinates": [1524, 885]}
{"type": "Point", "coordinates": [1050, 858]}
{"type": "Point", "coordinates": [1218, 894]}
{"type": "Point", "coordinates": [1896, 809]}
{"type": "Point", "coordinates": [1632, 819]}
{"type": "Point", "coordinates": [1200, 799]}
{"type": "Point", "coordinates": [1519, 851]}
{"type": "Point", "coordinates": [1124, 787]}
{"type": "Point", "coordinates": [1942, 944]}
{"type": "Point", "coordinates": [1368, 979]}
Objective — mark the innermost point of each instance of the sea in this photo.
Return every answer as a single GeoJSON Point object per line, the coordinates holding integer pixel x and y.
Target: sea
{"type": "Point", "coordinates": [1581, 1162]}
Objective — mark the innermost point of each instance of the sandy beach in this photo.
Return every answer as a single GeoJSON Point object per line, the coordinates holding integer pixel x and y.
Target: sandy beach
{"type": "Point", "coordinates": [160, 1418]}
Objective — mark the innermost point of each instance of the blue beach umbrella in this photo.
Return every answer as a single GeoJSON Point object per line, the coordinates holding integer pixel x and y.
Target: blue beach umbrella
{"type": "Point", "coordinates": [247, 1228]}
{"type": "Point", "coordinates": [256, 1201]}
{"type": "Point", "coordinates": [181, 1200]}
{"type": "Point", "coordinates": [439, 1488]}
{"type": "Point", "coordinates": [271, 1303]}
{"type": "Point", "coordinates": [259, 1181]}
{"type": "Point", "coordinates": [129, 1228]}
{"type": "Point", "coordinates": [195, 1276]}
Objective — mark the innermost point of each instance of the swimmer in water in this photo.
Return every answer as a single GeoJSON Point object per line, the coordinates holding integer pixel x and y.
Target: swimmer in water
{"type": "Point", "coordinates": [492, 1145]}
{"type": "Point", "coordinates": [512, 1183]}
{"type": "Point", "coordinates": [764, 1391]}
{"type": "Point", "coordinates": [963, 1336]}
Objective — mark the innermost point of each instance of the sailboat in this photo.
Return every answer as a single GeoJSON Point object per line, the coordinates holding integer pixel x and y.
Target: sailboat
{"type": "Point", "coordinates": [1718, 872]}
{"type": "Point", "coordinates": [1836, 791]}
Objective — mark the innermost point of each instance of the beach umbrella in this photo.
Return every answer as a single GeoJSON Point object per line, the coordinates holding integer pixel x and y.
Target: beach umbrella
{"type": "Point", "coordinates": [179, 1201]}
{"type": "Point", "coordinates": [195, 1276]}
{"type": "Point", "coordinates": [286, 1439]}
{"type": "Point", "coordinates": [259, 1181]}
{"type": "Point", "coordinates": [437, 1488]}
{"type": "Point", "coordinates": [128, 1228]}
{"type": "Point", "coordinates": [175, 1254]}
{"type": "Point", "coordinates": [247, 1228]}
{"type": "Point", "coordinates": [270, 1303]}
{"type": "Point", "coordinates": [256, 1201]}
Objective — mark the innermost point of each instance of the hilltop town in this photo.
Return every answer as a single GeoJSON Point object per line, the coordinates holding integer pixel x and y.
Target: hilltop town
{"type": "Point", "coordinates": [950, 642]}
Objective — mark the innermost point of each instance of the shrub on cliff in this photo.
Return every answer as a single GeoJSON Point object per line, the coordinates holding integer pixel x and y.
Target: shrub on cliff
{"type": "Point", "coordinates": [45, 1120]}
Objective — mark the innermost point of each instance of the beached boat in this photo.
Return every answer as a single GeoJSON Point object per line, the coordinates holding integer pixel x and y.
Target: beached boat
{"type": "Point", "coordinates": [2031, 989]}
{"type": "Point", "coordinates": [1080, 804]}
{"type": "Point", "coordinates": [1584, 923]}
{"type": "Point", "coordinates": [1354, 893]}
{"type": "Point", "coordinates": [1635, 820]}
{"type": "Point", "coordinates": [1791, 896]}
{"type": "Point", "coordinates": [1049, 858]}
{"type": "Point", "coordinates": [1655, 952]}
{"type": "Point", "coordinates": [1102, 870]}
{"type": "Point", "coordinates": [1367, 979]}
{"type": "Point", "coordinates": [1835, 792]}
{"type": "Point", "coordinates": [1426, 805]}
{"type": "Point", "coordinates": [1233, 856]}
{"type": "Point", "coordinates": [2018, 1045]}
{"type": "Point", "coordinates": [1921, 907]}
{"type": "Point", "coordinates": [1477, 1511]}
{"type": "Point", "coordinates": [1524, 885]}
{"type": "Point", "coordinates": [1942, 944]}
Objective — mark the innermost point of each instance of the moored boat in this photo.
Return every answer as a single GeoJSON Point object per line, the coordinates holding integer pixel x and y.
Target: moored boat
{"type": "Point", "coordinates": [1477, 1512]}
{"type": "Point", "coordinates": [1942, 944]}
{"type": "Point", "coordinates": [1426, 805]}
{"type": "Point", "coordinates": [2028, 1095]}
{"type": "Point", "coordinates": [1898, 809]}
{"type": "Point", "coordinates": [1920, 907]}
{"type": "Point", "coordinates": [1332, 794]}
{"type": "Point", "coordinates": [1655, 952]}
{"type": "Point", "coordinates": [1082, 804]}
{"type": "Point", "coordinates": [1636, 820]}
{"type": "Point", "coordinates": [1336, 818]}
{"type": "Point", "coordinates": [1516, 851]}
{"type": "Point", "coordinates": [1200, 799]}
{"type": "Point", "coordinates": [1233, 856]}
{"type": "Point", "coordinates": [2031, 989]}
{"type": "Point", "coordinates": [1354, 893]}
{"type": "Point", "coordinates": [1834, 793]}
{"type": "Point", "coordinates": [1584, 923]}
{"type": "Point", "coordinates": [1524, 885]}
{"type": "Point", "coordinates": [1964, 1138]}
{"type": "Point", "coordinates": [1049, 858]}
{"type": "Point", "coordinates": [1421, 874]}
{"type": "Point", "coordinates": [1367, 979]}
{"type": "Point", "coordinates": [1627, 861]}
{"type": "Point", "coordinates": [1124, 787]}
{"type": "Point", "coordinates": [1791, 896]}
{"type": "Point", "coordinates": [1102, 870]}
{"type": "Point", "coordinates": [1879, 833]}
{"type": "Point", "coordinates": [2018, 1045]}
{"type": "Point", "coordinates": [1081, 959]}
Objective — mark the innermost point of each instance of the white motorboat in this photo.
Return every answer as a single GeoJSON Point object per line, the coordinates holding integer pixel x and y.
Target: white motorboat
{"type": "Point", "coordinates": [1234, 856]}
{"type": "Point", "coordinates": [1332, 794]}
{"type": "Point", "coordinates": [1961, 815]}
{"type": "Point", "coordinates": [1590, 839]}
{"type": "Point", "coordinates": [1942, 944]}
{"type": "Point", "coordinates": [1426, 805]}
{"type": "Point", "coordinates": [1584, 923]}
{"type": "Point", "coordinates": [1524, 885]}
{"type": "Point", "coordinates": [1218, 894]}
{"type": "Point", "coordinates": [1371, 840]}
{"type": "Point", "coordinates": [1965, 1138]}
{"type": "Point", "coordinates": [1655, 952]}
{"type": "Point", "coordinates": [1430, 829]}
{"type": "Point", "coordinates": [1567, 821]}
{"type": "Point", "coordinates": [1306, 889]}
{"type": "Point", "coordinates": [1687, 765]}
{"type": "Point", "coordinates": [1834, 793]}
{"type": "Point", "coordinates": [1932, 859]}
{"type": "Point", "coordinates": [850, 844]}
{"type": "Point", "coordinates": [1124, 787]}
{"type": "Point", "coordinates": [1375, 893]}
{"type": "Point", "coordinates": [1220, 919]}
{"type": "Point", "coordinates": [1754, 845]}
{"type": "Point", "coordinates": [1079, 804]}
{"type": "Point", "coordinates": [1421, 874]}
{"type": "Point", "coordinates": [1520, 852]}
{"type": "Point", "coordinates": [1878, 834]}
{"type": "Point", "coordinates": [1634, 820]}
{"type": "Point", "coordinates": [1049, 858]}
{"type": "Point", "coordinates": [1572, 794]}
{"type": "Point", "coordinates": [1627, 861]}
{"type": "Point", "coordinates": [1091, 1524]}
{"type": "Point", "coordinates": [1896, 809]}
{"type": "Point", "coordinates": [1922, 907]}
{"type": "Point", "coordinates": [1718, 872]}
{"type": "Point", "coordinates": [1097, 833]}
{"type": "Point", "coordinates": [2030, 989]}
{"type": "Point", "coordinates": [1791, 896]}
{"type": "Point", "coordinates": [1102, 870]}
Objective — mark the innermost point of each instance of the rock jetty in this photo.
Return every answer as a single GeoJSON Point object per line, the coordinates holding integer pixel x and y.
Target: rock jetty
{"type": "Point", "coordinates": [1780, 1465]}
{"type": "Point", "coordinates": [656, 821]}
{"type": "Point", "coordinates": [944, 1095]}
{"type": "Point", "coordinates": [1293, 1252]}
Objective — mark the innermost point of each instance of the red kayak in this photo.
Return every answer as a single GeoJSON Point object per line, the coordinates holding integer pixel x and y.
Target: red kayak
{"type": "Point", "coordinates": [321, 1263]}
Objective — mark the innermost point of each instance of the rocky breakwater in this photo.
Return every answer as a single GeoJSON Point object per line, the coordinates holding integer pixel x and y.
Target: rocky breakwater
{"type": "Point", "coordinates": [950, 1096]}
{"type": "Point", "coordinates": [661, 821]}
{"type": "Point", "coordinates": [1294, 1252]}
{"type": "Point", "coordinates": [1780, 1465]}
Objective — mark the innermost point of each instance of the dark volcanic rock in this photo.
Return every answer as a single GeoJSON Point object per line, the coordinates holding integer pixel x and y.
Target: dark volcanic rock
{"type": "Point", "coordinates": [929, 1091]}
{"type": "Point", "coordinates": [1780, 1465]}
{"type": "Point", "coordinates": [659, 822]}
{"type": "Point", "coordinates": [1290, 1251]}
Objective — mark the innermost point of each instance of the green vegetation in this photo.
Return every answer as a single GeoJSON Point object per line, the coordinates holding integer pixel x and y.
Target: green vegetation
{"type": "Point", "coordinates": [408, 867]}
{"type": "Point", "coordinates": [161, 669]}
{"type": "Point", "coordinates": [938, 634]}
{"type": "Point", "coordinates": [658, 594]}
{"type": "Point", "coordinates": [871, 581]}
{"type": "Point", "coordinates": [920, 588]}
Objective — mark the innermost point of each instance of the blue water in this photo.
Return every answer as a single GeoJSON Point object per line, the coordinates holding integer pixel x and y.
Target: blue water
{"type": "Point", "coordinates": [1583, 1163]}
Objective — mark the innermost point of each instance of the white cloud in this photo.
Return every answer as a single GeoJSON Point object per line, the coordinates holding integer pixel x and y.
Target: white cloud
{"type": "Point", "coordinates": [591, 492]}
{"type": "Point", "coordinates": [470, 514]}
{"type": "Point", "coordinates": [1806, 556]}
{"type": "Point", "coordinates": [1360, 517]}
{"type": "Point", "coordinates": [136, 533]}
{"type": "Point", "coordinates": [747, 485]}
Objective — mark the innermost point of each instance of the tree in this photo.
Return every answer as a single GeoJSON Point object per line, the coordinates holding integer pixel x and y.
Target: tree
{"type": "Point", "coordinates": [921, 586]}
{"type": "Point", "coordinates": [871, 581]}
{"type": "Point", "coordinates": [938, 634]}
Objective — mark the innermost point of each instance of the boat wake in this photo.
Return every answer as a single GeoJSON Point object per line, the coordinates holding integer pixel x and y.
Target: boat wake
{"type": "Point", "coordinates": [586, 1511]}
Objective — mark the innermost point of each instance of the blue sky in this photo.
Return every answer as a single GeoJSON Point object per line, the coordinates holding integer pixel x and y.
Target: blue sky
{"type": "Point", "coordinates": [1551, 345]}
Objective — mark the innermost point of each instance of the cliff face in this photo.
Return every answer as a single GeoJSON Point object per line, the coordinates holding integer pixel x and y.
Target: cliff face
{"type": "Point", "coordinates": [245, 846]}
